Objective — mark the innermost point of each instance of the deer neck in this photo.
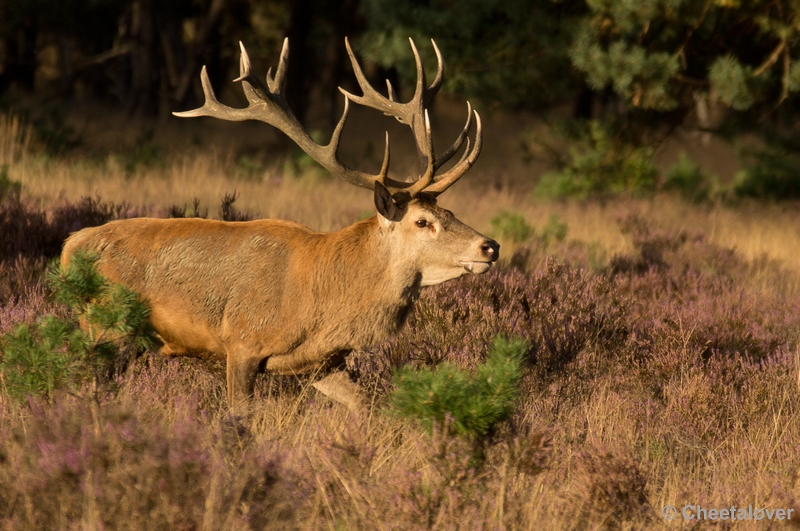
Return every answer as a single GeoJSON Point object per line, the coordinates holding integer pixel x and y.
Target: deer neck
{"type": "Point", "coordinates": [386, 273]}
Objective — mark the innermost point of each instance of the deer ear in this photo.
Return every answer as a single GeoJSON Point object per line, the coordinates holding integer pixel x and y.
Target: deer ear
{"type": "Point", "coordinates": [387, 208]}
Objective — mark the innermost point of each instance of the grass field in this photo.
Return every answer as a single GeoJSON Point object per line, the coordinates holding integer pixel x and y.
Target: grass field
{"type": "Point", "coordinates": [664, 369]}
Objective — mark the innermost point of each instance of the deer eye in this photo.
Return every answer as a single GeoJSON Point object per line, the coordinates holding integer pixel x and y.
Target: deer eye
{"type": "Point", "coordinates": [421, 223]}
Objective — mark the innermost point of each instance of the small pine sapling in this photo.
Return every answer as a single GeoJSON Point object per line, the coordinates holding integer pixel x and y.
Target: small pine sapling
{"type": "Point", "coordinates": [40, 358]}
{"type": "Point", "coordinates": [468, 404]}
{"type": "Point", "coordinates": [55, 352]}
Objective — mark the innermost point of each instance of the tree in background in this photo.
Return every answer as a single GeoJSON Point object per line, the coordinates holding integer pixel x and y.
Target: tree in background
{"type": "Point", "coordinates": [725, 65]}
{"type": "Point", "coordinates": [654, 55]}
{"type": "Point", "coordinates": [147, 54]}
{"type": "Point", "coordinates": [680, 55]}
{"type": "Point", "coordinates": [508, 53]}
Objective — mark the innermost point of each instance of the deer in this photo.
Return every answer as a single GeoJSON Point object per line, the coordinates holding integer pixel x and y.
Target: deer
{"type": "Point", "coordinates": [275, 296]}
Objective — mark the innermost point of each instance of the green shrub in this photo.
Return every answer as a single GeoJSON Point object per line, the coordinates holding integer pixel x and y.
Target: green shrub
{"type": "Point", "coordinates": [772, 173]}
{"type": "Point", "coordinates": [467, 404]}
{"type": "Point", "coordinates": [601, 164]}
{"type": "Point", "coordinates": [511, 227]}
{"type": "Point", "coordinates": [41, 358]}
{"type": "Point", "coordinates": [8, 188]}
{"type": "Point", "coordinates": [54, 352]}
{"type": "Point", "coordinates": [686, 179]}
{"type": "Point", "coordinates": [555, 230]}
{"type": "Point", "coordinates": [145, 153]}
{"type": "Point", "coordinates": [514, 229]}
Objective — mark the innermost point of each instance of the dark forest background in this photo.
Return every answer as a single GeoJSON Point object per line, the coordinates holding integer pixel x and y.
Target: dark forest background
{"type": "Point", "coordinates": [641, 67]}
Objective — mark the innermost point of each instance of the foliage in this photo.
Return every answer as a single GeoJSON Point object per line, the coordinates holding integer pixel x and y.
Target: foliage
{"type": "Point", "coordinates": [640, 76]}
{"type": "Point", "coordinates": [8, 188]}
{"type": "Point", "coordinates": [560, 310]}
{"type": "Point", "coordinates": [603, 163]}
{"type": "Point", "coordinates": [475, 402]}
{"type": "Point", "coordinates": [686, 179]}
{"type": "Point", "coordinates": [771, 173]}
{"type": "Point", "coordinates": [611, 488]}
{"type": "Point", "coordinates": [663, 54]}
{"type": "Point", "coordinates": [176, 211]}
{"type": "Point", "coordinates": [30, 236]}
{"type": "Point", "coordinates": [658, 56]}
{"type": "Point", "coordinates": [55, 352]}
{"type": "Point", "coordinates": [730, 79]}
{"type": "Point", "coordinates": [511, 227]}
{"type": "Point", "coordinates": [54, 134]}
{"type": "Point", "coordinates": [555, 231]}
{"type": "Point", "coordinates": [143, 154]}
{"type": "Point", "coordinates": [26, 230]}
{"type": "Point", "coordinates": [227, 210]}
{"type": "Point", "coordinates": [509, 53]}
{"type": "Point", "coordinates": [41, 358]}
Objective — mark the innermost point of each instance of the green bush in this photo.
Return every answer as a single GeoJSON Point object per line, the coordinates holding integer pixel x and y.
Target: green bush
{"type": "Point", "coordinates": [555, 230]}
{"type": "Point", "coordinates": [511, 227]}
{"type": "Point", "coordinates": [772, 173]}
{"type": "Point", "coordinates": [54, 352]}
{"type": "Point", "coordinates": [8, 188]}
{"type": "Point", "coordinates": [467, 404]}
{"type": "Point", "coordinates": [601, 164]}
{"type": "Point", "coordinates": [145, 153]}
{"type": "Point", "coordinates": [41, 358]}
{"type": "Point", "coordinates": [686, 179]}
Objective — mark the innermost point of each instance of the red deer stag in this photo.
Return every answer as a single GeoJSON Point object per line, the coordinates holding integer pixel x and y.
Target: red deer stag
{"type": "Point", "coordinates": [276, 296]}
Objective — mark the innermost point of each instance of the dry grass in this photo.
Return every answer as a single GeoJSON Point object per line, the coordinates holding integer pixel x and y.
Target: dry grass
{"type": "Point", "coordinates": [15, 140]}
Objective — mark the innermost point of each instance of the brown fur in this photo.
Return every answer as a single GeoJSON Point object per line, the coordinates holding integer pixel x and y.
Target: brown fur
{"type": "Point", "coordinates": [276, 295]}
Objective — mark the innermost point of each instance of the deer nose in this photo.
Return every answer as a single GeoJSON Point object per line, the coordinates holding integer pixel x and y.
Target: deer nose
{"type": "Point", "coordinates": [491, 250]}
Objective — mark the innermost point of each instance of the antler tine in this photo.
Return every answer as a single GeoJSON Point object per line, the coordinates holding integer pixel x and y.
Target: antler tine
{"type": "Point", "coordinates": [437, 81]}
{"type": "Point", "coordinates": [267, 103]}
{"type": "Point", "coordinates": [369, 181]}
{"type": "Point", "coordinates": [382, 176]}
{"type": "Point", "coordinates": [412, 113]}
{"type": "Point", "coordinates": [420, 88]}
{"type": "Point", "coordinates": [255, 89]}
{"type": "Point", "coordinates": [448, 154]}
{"type": "Point", "coordinates": [449, 178]}
{"type": "Point", "coordinates": [337, 132]}
{"type": "Point", "coordinates": [276, 83]}
{"type": "Point", "coordinates": [390, 91]}
{"type": "Point", "coordinates": [426, 178]}
{"type": "Point", "coordinates": [371, 97]}
{"type": "Point", "coordinates": [212, 106]}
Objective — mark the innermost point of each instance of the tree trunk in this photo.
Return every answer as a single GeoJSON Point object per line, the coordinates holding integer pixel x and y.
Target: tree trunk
{"type": "Point", "coordinates": [21, 62]}
{"type": "Point", "coordinates": [301, 62]}
{"type": "Point", "coordinates": [143, 93]}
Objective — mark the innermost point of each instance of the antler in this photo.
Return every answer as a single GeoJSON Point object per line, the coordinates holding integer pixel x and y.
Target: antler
{"type": "Point", "coordinates": [415, 115]}
{"type": "Point", "coordinates": [267, 103]}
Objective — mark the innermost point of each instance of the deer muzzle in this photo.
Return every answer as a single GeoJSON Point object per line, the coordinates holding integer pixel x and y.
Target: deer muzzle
{"type": "Point", "coordinates": [490, 251]}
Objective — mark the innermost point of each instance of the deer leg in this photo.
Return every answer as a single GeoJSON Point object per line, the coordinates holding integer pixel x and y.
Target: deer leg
{"type": "Point", "coordinates": [339, 387]}
{"type": "Point", "coordinates": [241, 377]}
